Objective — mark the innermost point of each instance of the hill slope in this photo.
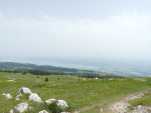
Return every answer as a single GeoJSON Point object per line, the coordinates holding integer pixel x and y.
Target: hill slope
{"type": "Point", "coordinates": [42, 69]}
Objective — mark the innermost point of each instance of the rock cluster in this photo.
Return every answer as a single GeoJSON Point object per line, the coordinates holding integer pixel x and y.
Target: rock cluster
{"type": "Point", "coordinates": [54, 105]}
{"type": "Point", "coordinates": [32, 96]}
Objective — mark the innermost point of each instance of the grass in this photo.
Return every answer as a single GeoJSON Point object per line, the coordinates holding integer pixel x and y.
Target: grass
{"type": "Point", "coordinates": [85, 94]}
{"type": "Point", "coordinates": [145, 100]}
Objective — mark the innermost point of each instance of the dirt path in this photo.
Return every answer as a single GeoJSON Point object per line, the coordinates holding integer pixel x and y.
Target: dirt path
{"type": "Point", "coordinates": [122, 105]}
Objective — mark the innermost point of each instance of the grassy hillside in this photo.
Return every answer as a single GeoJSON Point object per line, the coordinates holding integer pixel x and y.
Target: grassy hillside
{"type": "Point", "coordinates": [86, 95]}
{"type": "Point", "coordinates": [43, 69]}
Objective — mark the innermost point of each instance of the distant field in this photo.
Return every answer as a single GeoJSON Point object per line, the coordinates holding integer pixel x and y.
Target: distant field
{"type": "Point", "coordinates": [86, 95]}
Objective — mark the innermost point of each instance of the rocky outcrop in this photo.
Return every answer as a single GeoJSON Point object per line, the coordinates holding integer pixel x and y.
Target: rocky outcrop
{"type": "Point", "coordinates": [54, 105]}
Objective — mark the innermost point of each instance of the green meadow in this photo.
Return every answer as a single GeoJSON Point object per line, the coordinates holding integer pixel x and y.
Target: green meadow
{"type": "Point", "coordinates": [87, 95]}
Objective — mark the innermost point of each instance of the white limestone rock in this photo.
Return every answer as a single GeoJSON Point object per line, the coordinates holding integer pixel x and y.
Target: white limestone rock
{"type": "Point", "coordinates": [65, 112]}
{"type": "Point", "coordinates": [50, 101]}
{"type": "Point", "coordinates": [35, 98]}
{"type": "Point", "coordinates": [43, 111]}
{"type": "Point", "coordinates": [7, 95]}
{"type": "Point", "coordinates": [11, 111]}
{"type": "Point", "coordinates": [25, 90]}
{"type": "Point", "coordinates": [62, 104]}
{"type": "Point", "coordinates": [11, 80]}
{"type": "Point", "coordinates": [141, 109]}
{"type": "Point", "coordinates": [96, 78]}
{"type": "Point", "coordinates": [20, 108]}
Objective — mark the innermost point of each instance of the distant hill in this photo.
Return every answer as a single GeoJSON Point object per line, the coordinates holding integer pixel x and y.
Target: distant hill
{"type": "Point", "coordinates": [43, 69]}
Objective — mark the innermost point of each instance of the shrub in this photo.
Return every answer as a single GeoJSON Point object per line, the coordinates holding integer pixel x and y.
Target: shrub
{"type": "Point", "coordinates": [46, 79]}
{"type": "Point", "coordinates": [54, 108]}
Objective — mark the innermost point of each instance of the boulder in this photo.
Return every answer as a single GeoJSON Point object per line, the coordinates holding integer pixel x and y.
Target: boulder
{"type": "Point", "coordinates": [62, 104]}
{"type": "Point", "coordinates": [43, 111]}
{"type": "Point", "coordinates": [24, 90]}
{"type": "Point", "coordinates": [57, 105]}
{"type": "Point", "coordinates": [7, 95]}
{"type": "Point", "coordinates": [50, 101]}
{"type": "Point", "coordinates": [35, 98]}
{"type": "Point", "coordinates": [20, 108]}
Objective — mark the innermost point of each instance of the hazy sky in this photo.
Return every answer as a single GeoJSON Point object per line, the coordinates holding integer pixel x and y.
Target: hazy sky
{"type": "Point", "coordinates": [75, 28]}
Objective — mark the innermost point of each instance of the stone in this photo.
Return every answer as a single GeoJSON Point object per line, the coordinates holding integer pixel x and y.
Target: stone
{"type": "Point", "coordinates": [96, 78]}
{"type": "Point", "coordinates": [50, 101]}
{"type": "Point", "coordinates": [62, 104]}
{"type": "Point", "coordinates": [65, 112]}
{"type": "Point", "coordinates": [35, 98]}
{"type": "Point", "coordinates": [24, 90]}
{"type": "Point", "coordinates": [20, 108]}
{"type": "Point", "coordinates": [7, 95]}
{"type": "Point", "coordinates": [43, 111]}
{"type": "Point", "coordinates": [11, 80]}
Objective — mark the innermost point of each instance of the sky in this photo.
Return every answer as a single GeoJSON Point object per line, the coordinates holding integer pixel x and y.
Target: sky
{"type": "Point", "coordinates": [75, 28]}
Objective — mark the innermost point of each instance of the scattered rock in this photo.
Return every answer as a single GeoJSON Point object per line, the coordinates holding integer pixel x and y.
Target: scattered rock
{"type": "Point", "coordinates": [24, 90]}
{"type": "Point", "coordinates": [43, 111]}
{"type": "Point", "coordinates": [96, 78]}
{"type": "Point", "coordinates": [62, 104]}
{"type": "Point", "coordinates": [84, 79]}
{"type": "Point", "coordinates": [11, 80]}
{"type": "Point", "coordinates": [141, 109]}
{"type": "Point", "coordinates": [111, 79]}
{"type": "Point", "coordinates": [140, 79]}
{"type": "Point", "coordinates": [120, 107]}
{"type": "Point", "coordinates": [101, 110]}
{"type": "Point", "coordinates": [132, 97]}
{"type": "Point", "coordinates": [7, 95]}
{"type": "Point", "coordinates": [59, 106]}
{"type": "Point", "coordinates": [20, 108]}
{"type": "Point", "coordinates": [65, 112]}
{"type": "Point", "coordinates": [123, 105]}
{"type": "Point", "coordinates": [76, 112]}
{"type": "Point", "coordinates": [18, 97]}
{"type": "Point", "coordinates": [35, 98]}
{"type": "Point", "coordinates": [50, 101]}
{"type": "Point", "coordinates": [11, 111]}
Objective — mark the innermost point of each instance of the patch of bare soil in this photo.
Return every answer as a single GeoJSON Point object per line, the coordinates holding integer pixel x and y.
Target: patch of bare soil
{"type": "Point", "coordinates": [123, 106]}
